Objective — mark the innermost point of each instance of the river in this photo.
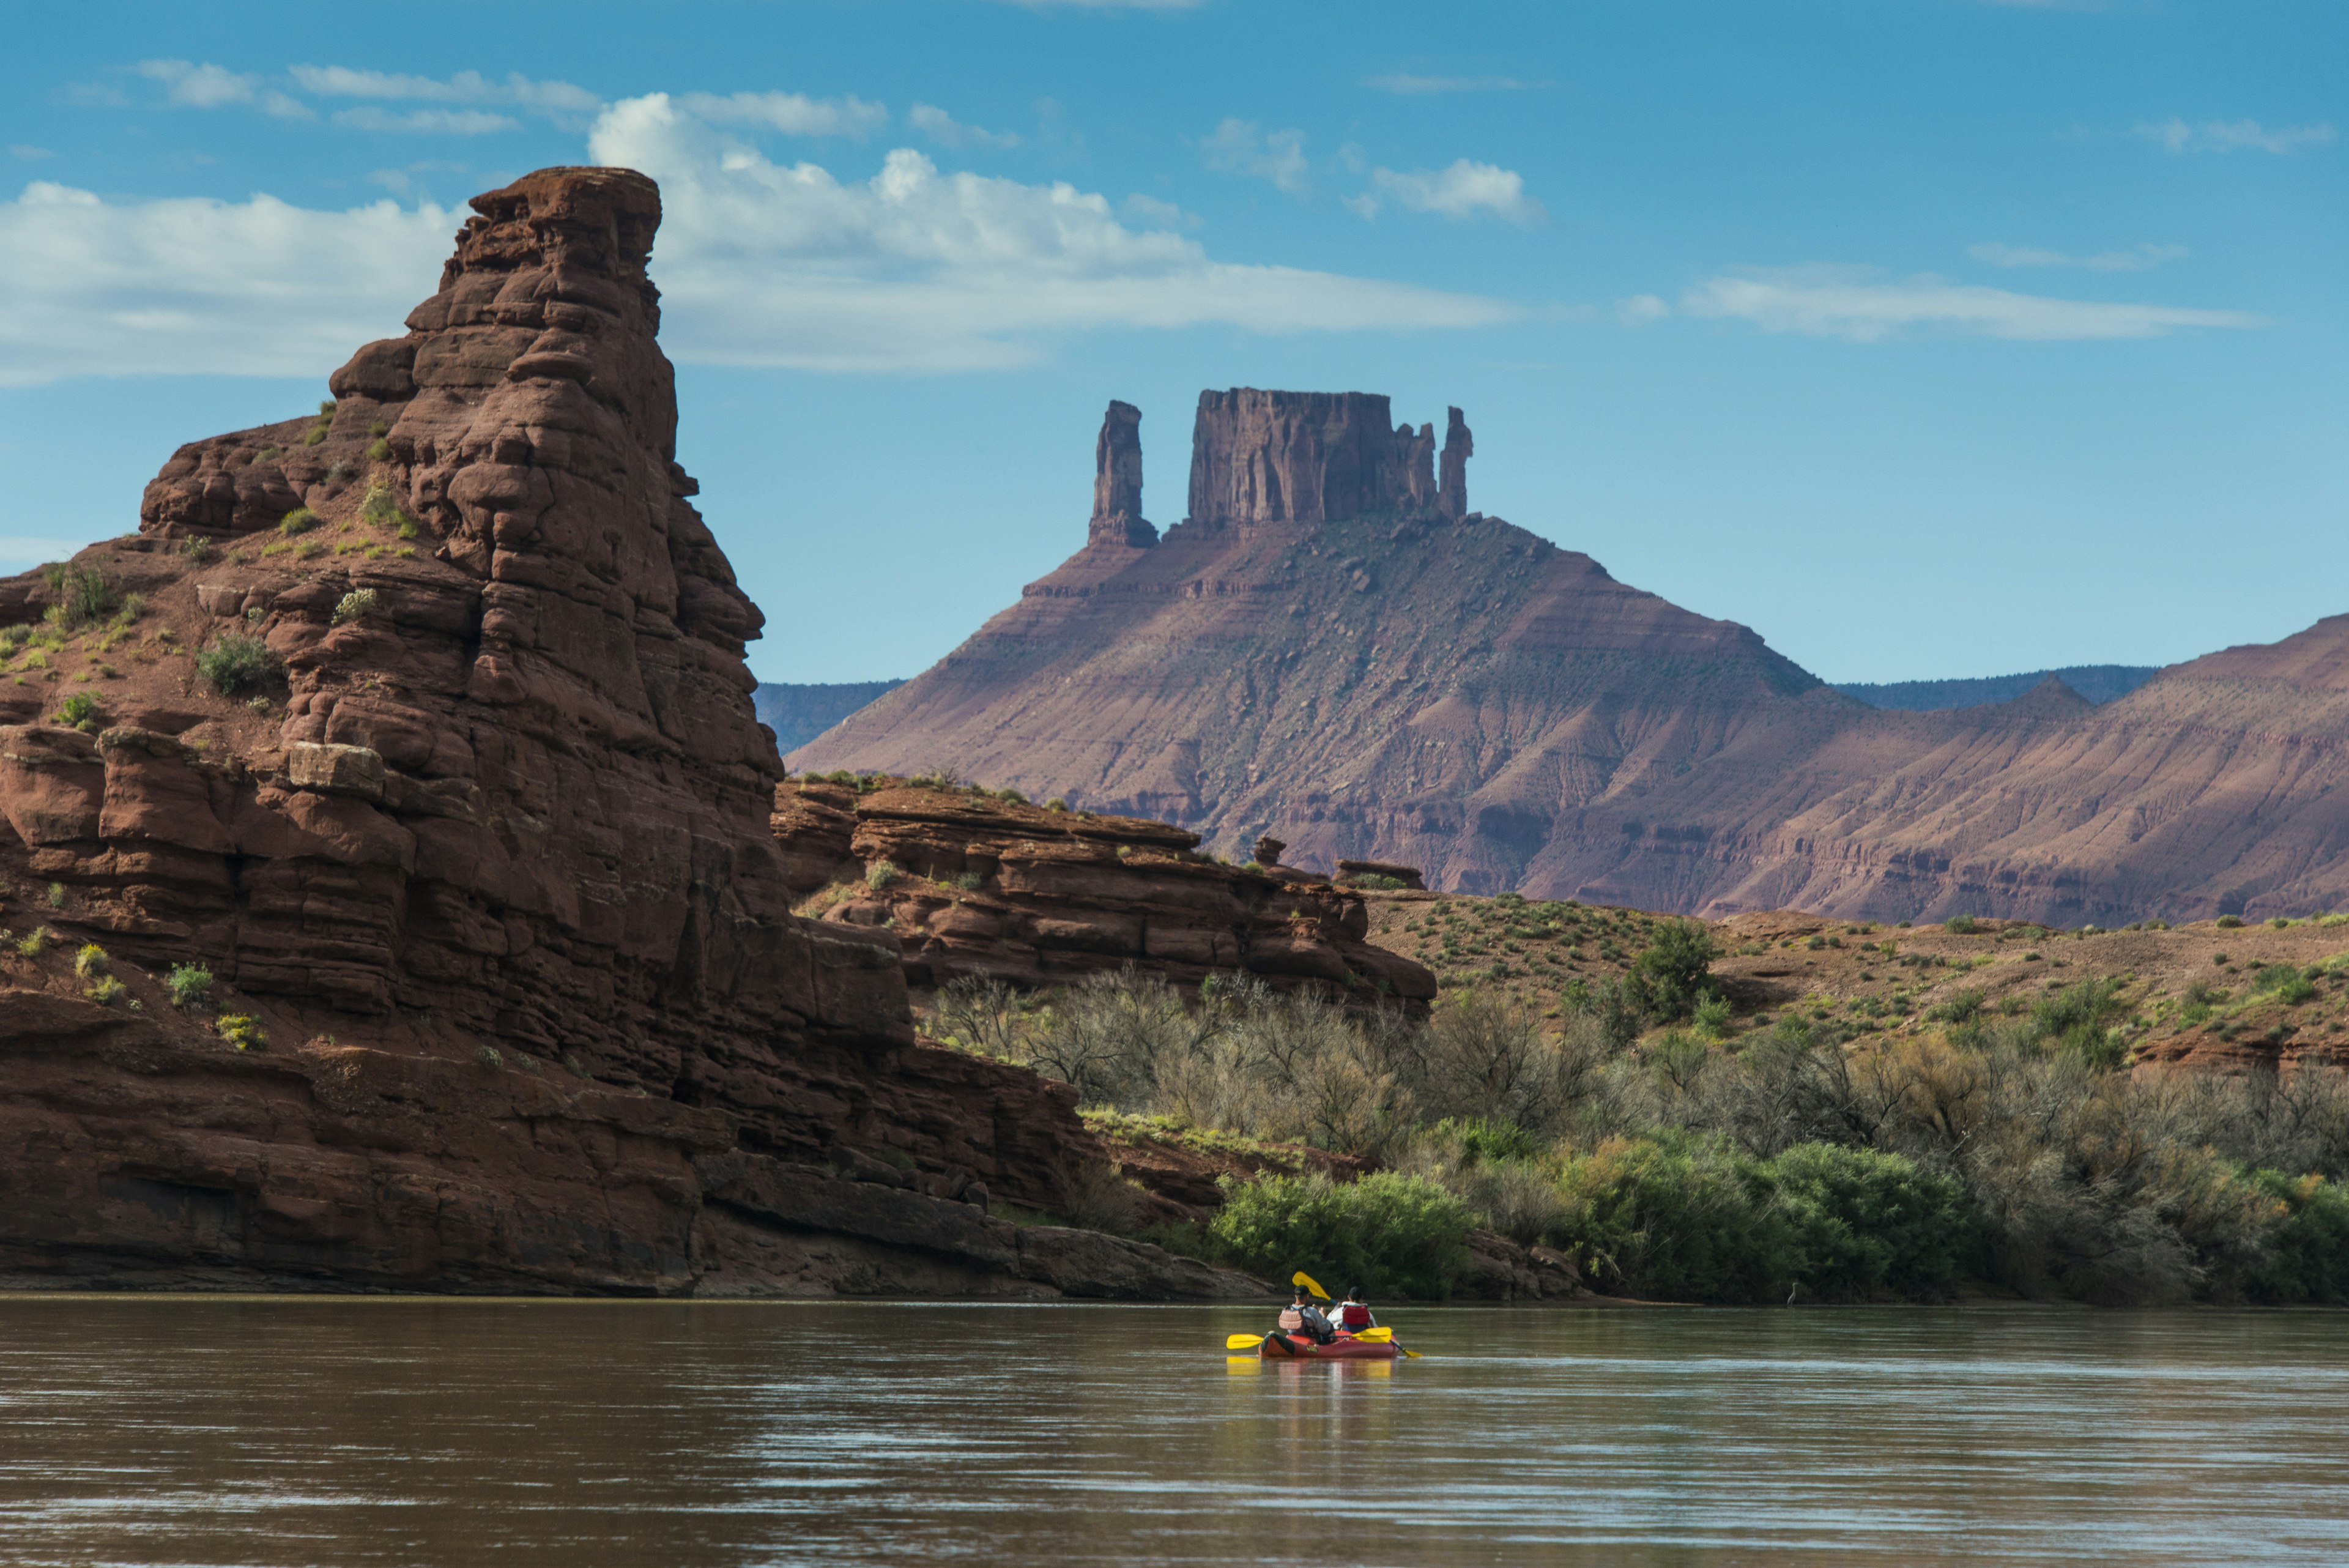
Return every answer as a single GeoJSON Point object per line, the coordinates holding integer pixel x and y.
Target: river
{"type": "Point", "coordinates": [588, 1434]}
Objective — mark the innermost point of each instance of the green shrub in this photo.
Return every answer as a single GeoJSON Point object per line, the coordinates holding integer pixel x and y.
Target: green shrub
{"type": "Point", "coordinates": [2284, 982]}
{"type": "Point", "coordinates": [78, 596]}
{"type": "Point", "coordinates": [1712, 1017]}
{"type": "Point", "coordinates": [190, 985]}
{"type": "Point", "coordinates": [1481, 1140]}
{"type": "Point", "coordinates": [242, 1031]}
{"type": "Point", "coordinates": [379, 450]}
{"type": "Point", "coordinates": [91, 961]}
{"type": "Point", "coordinates": [81, 710]}
{"type": "Point", "coordinates": [1056, 803]}
{"type": "Point", "coordinates": [969, 881]}
{"type": "Point", "coordinates": [1961, 925]}
{"type": "Point", "coordinates": [489, 1057]}
{"type": "Point", "coordinates": [1866, 1223]}
{"type": "Point", "coordinates": [880, 874]}
{"type": "Point", "coordinates": [379, 427]}
{"type": "Point", "coordinates": [107, 991]}
{"type": "Point", "coordinates": [2228, 922]}
{"type": "Point", "coordinates": [301, 519]}
{"type": "Point", "coordinates": [1379, 882]}
{"type": "Point", "coordinates": [2078, 1019]}
{"type": "Point", "coordinates": [33, 943]}
{"type": "Point", "coordinates": [2306, 1255]}
{"type": "Point", "coordinates": [57, 894]}
{"type": "Point", "coordinates": [1961, 1008]}
{"type": "Point", "coordinates": [1669, 976]}
{"type": "Point", "coordinates": [317, 433]}
{"type": "Point", "coordinates": [1679, 1220]}
{"type": "Point", "coordinates": [358, 602]}
{"type": "Point", "coordinates": [236, 663]}
{"type": "Point", "coordinates": [1396, 1235]}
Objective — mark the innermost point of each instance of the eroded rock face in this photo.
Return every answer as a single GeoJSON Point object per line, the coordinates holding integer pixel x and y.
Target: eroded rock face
{"type": "Point", "coordinates": [1117, 481]}
{"type": "Point", "coordinates": [1273, 457]}
{"type": "Point", "coordinates": [499, 811]}
{"type": "Point", "coordinates": [979, 886]}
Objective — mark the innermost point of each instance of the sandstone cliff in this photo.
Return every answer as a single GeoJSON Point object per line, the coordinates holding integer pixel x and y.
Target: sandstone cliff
{"type": "Point", "coordinates": [1332, 649]}
{"type": "Point", "coordinates": [470, 819]}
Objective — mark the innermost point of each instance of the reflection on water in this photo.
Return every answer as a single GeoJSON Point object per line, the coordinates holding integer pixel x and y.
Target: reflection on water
{"type": "Point", "coordinates": [325, 1431]}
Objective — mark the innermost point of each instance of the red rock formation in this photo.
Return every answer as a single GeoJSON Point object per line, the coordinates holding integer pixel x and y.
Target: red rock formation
{"type": "Point", "coordinates": [501, 810]}
{"type": "Point", "coordinates": [1117, 481]}
{"type": "Point", "coordinates": [1371, 677]}
{"type": "Point", "coordinates": [977, 885]}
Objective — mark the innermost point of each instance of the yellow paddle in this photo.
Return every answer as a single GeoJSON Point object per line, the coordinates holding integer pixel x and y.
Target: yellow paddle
{"type": "Point", "coordinates": [1243, 1341]}
{"type": "Point", "coordinates": [1301, 1278]}
{"type": "Point", "coordinates": [1383, 1336]}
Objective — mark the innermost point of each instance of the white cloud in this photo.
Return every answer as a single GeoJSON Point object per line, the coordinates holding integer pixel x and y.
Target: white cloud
{"type": "Point", "coordinates": [948, 132]}
{"type": "Point", "coordinates": [917, 270]}
{"type": "Point", "coordinates": [187, 85]}
{"type": "Point", "coordinates": [2138, 258]}
{"type": "Point", "coordinates": [192, 85]}
{"type": "Point", "coordinates": [191, 286]}
{"type": "Point", "coordinates": [793, 114]}
{"type": "Point", "coordinates": [426, 121]}
{"type": "Point", "coordinates": [1243, 146]}
{"type": "Point", "coordinates": [760, 263]}
{"type": "Point", "coordinates": [1851, 304]}
{"type": "Point", "coordinates": [1641, 310]}
{"type": "Point", "coordinates": [1154, 213]}
{"type": "Point", "coordinates": [1464, 191]}
{"type": "Point", "coordinates": [2235, 136]}
{"type": "Point", "coordinates": [465, 86]}
{"type": "Point", "coordinates": [29, 153]}
{"type": "Point", "coordinates": [1409, 86]}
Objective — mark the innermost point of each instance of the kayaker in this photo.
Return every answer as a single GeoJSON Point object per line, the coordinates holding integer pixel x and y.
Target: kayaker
{"type": "Point", "coordinates": [1301, 1316]}
{"type": "Point", "coordinates": [1354, 1313]}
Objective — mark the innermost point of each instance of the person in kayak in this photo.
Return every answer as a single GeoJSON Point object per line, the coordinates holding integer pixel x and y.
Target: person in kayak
{"type": "Point", "coordinates": [1301, 1316]}
{"type": "Point", "coordinates": [1354, 1313]}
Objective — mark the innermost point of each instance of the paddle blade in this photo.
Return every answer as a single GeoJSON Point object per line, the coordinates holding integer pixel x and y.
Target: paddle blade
{"type": "Point", "coordinates": [1412, 1354]}
{"type": "Point", "coordinates": [1243, 1341]}
{"type": "Point", "coordinates": [1375, 1335]}
{"type": "Point", "coordinates": [1301, 1278]}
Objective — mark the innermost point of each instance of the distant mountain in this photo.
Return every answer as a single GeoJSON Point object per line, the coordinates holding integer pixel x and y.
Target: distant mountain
{"type": "Point", "coordinates": [799, 714]}
{"type": "Point", "coordinates": [2097, 682]}
{"type": "Point", "coordinates": [1332, 650]}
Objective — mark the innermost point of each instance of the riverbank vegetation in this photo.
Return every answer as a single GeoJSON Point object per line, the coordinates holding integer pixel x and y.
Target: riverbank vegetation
{"type": "Point", "coordinates": [2011, 1150]}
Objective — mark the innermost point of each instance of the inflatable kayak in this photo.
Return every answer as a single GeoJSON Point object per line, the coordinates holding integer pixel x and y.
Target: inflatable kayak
{"type": "Point", "coordinates": [1299, 1347]}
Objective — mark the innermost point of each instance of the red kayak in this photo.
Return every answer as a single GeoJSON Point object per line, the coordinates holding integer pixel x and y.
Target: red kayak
{"type": "Point", "coordinates": [1345, 1347]}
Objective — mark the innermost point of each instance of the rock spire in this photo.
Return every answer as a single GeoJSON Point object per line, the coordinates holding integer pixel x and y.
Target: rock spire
{"type": "Point", "coordinates": [1117, 480]}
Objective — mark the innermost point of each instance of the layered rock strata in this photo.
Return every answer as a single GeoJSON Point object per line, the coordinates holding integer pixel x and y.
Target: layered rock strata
{"type": "Point", "coordinates": [970, 884]}
{"type": "Point", "coordinates": [483, 820]}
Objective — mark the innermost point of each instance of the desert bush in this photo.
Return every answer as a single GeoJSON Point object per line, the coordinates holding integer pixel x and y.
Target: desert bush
{"type": "Point", "coordinates": [78, 596]}
{"type": "Point", "coordinates": [1866, 1223]}
{"type": "Point", "coordinates": [301, 519]}
{"type": "Point", "coordinates": [489, 1057]}
{"type": "Point", "coordinates": [2305, 1253]}
{"type": "Point", "coordinates": [1962, 1007]}
{"type": "Point", "coordinates": [33, 943]}
{"type": "Point", "coordinates": [352, 606]}
{"type": "Point", "coordinates": [882, 874]}
{"type": "Point", "coordinates": [969, 881]}
{"type": "Point", "coordinates": [1488, 1056]}
{"type": "Point", "coordinates": [242, 1031]}
{"type": "Point", "coordinates": [1678, 1219]}
{"type": "Point", "coordinates": [2078, 1019]}
{"type": "Point", "coordinates": [1397, 1235]}
{"type": "Point", "coordinates": [981, 1015]}
{"type": "Point", "coordinates": [233, 663]}
{"type": "Point", "coordinates": [188, 985]}
{"type": "Point", "coordinates": [378, 450]}
{"type": "Point", "coordinates": [1711, 1017]}
{"type": "Point", "coordinates": [1669, 976]}
{"type": "Point", "coordinates": [2285, 983]}
{"type": "Point", "coordinates": [1093, 1195]}
{"type": "Point", "coordinates": [82, 711]}
{"type": "Point", "coordinates": [2228, 922]}
{"type": "Point", "coordinates": [57, 894]}
{"type": "Point", "coordinates": [91, 961]}
{"type": "Point", "coordinates": [107, 991]}
{"type": "Point", "coordinates": [1961, 925]}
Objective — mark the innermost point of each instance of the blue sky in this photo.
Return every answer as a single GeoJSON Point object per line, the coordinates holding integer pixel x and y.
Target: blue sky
{"type": "Point", "coordinates": [1928, 337]}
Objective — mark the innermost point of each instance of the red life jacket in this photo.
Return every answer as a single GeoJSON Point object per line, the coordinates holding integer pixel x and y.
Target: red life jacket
{"type": "Point", "coordinates": [1353, 1317]}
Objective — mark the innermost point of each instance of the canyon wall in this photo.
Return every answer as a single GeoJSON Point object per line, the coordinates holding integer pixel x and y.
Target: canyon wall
{"type": "Point", "coordinates": [505, 988]}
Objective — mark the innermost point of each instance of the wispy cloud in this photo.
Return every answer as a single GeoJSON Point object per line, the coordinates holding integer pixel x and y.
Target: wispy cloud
{"type": "Point", "coordinates": [1243, 146]}
{"type": "Point", "coordinates": [948, 132]}
{"type": "Point", "coordinates": [913, 270]}
{"type": "Point", "coordinates": [1409, 86]}
{"type": "Point", "coordinates": [1853, 304]}
{"type": "Point", "coordinates": [465, 86]}
{"type": "Point", "coordinates": [29, 153]}
{"type": "Point", "coordinates": [1641, 310]}
{"type": "Point", "coordinates": [2137, 258]}
{"type": "Point", "coordinates": [2175, 135]}
{"type": "Point", "coordinates": [426, 121]}
{"type": "Point", "coordinates": [1152, 213]}
{"type": "Point", "coordinates": [793, 114]}
{"type": "Point", "coordinates": [190, 85]}
{"type": "Point", "coordinates": [1466, 189]}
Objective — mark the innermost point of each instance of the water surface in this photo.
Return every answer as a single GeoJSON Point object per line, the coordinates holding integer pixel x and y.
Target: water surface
{"type": "Point", "coordinates": [354, 1431]}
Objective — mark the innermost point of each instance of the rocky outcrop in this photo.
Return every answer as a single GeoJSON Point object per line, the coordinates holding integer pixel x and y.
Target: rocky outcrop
{"type": "Point", "coordinates": [1308, 457]}
{"type": "Point", "coordinates": [969, 884]}
{"type": "Point", "coordinates": [1318, 655]}
{"type": "Point", "coordinates": [482, 813]}
{"type": "Point", "coordinates": [1117, 481]}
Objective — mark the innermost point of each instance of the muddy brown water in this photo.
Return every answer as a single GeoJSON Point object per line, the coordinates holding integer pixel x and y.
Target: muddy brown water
{"type": "Point", "coordinates": [179, 1432]}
